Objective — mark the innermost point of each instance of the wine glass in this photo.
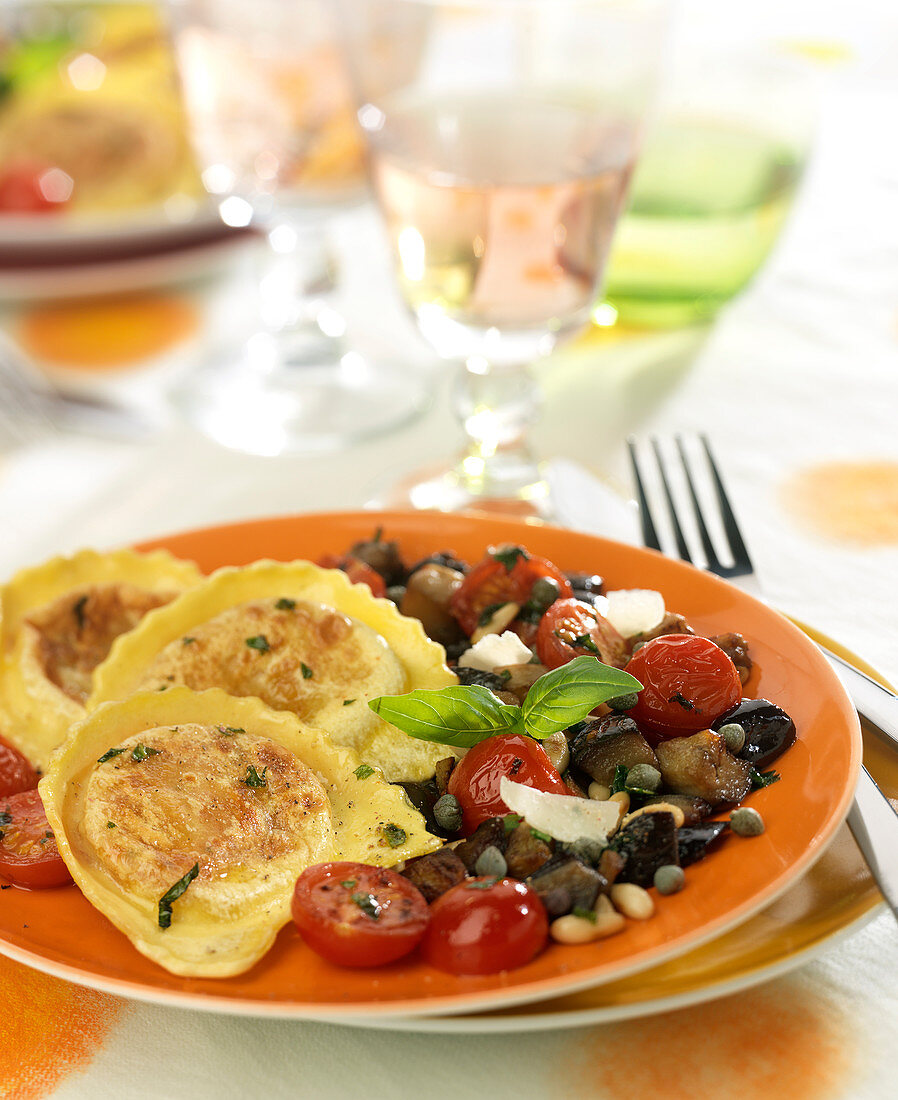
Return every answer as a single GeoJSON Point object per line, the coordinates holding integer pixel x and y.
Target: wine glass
{"type": "Point", "coordinates": [500, 162]}
{"type": "Point", "coordinates": [273, 125]}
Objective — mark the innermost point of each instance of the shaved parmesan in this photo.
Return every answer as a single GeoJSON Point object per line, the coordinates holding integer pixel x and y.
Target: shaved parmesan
{"type": "Point", "coordinates": [634, 610]}
{"type": "Point", "coordinates": [562, 816]}
{"type": "Point", "coordinates": [496, 651]}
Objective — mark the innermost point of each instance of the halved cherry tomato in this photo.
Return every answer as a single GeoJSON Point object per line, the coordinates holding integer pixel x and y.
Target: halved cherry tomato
{"type": "Point", "coordinates": [476, 777]}
{"type": "Point", "coordinates": [485, 925]}
{"type": "Point", "coordinates": [356, 915]}
{"type": "Point", "coordinates": [358, 571]}
{"type": "Point", "coordinates": [688, 683]}
{"type": "Point", "coordinates": [16, 774]}
{"type": "Point", "coordinates": [571, 628]}
{"type": "Point", "coordinates": [28, 852]}
{"type": "Point", "coordinates": [21, 191]}
{"type": "Point", "coordinates": [504, 576]}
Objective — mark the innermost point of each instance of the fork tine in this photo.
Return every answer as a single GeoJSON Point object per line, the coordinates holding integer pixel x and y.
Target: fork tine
{"type": "Point", "coordinates": [649, 534]}
{"type": "Point", "coordinates": [739, 550]}
{"type": "Point", "coordinates": [679, 537]}
{"type": "Point", "coordinates": [714, 563]}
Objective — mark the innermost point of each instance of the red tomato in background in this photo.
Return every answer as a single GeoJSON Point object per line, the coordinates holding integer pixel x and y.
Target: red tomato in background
{"type": "Point", "coordinates": [28, 852]}
{"type": "Point", "coordinates": [492, 582]}
{"type": "Point", "coordinates": [356, 915]}
{"type": "Point", "coordinates": [567, 620]}
{"type": "Point", "coordinates": [16, 774]}
{"type": "Point", "coordinates": [485, 925]}
{"type": "Point", "coordinates": [688, 683]}
{"type": "Point", "coordinates": [358, 571]}
{"type": "Point", "coordinates": [476, 777]}
{"type": "Point", "coordinates": [21, 193]}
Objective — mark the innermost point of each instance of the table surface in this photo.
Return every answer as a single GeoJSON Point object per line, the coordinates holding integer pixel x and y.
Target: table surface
{"type": "Point", "coordinates": [799, 373]}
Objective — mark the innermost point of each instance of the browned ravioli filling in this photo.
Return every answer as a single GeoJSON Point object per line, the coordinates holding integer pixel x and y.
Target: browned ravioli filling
{"type": "Point", "coordinates": [293, 655]}
{"type": "Point", "coordinates": [76, 632]}
{"type": "Point", "coordinates": [214, 795]}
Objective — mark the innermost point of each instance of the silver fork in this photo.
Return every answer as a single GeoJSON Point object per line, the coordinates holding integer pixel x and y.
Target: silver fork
{"type": "Point", "coordinates": [871, 819]}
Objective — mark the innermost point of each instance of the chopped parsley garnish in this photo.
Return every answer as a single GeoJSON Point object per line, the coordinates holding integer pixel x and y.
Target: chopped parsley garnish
{"type": "Point", "coordinates": [187, 640]}
{"type": "Point", "coordinates": [394, 835]}
{"type": "Point", "coordinates": [349, 883]}
{"type": "Point", "coordinates": [140, 753]}
{"type": "Point", "coordinates": [509, 556]}
{"type": "Point", "coordinates": [583, 641]}
{"type": "Point", "coordinates": [108, 755]}
{"type": "Point", "coordinates": [363, 771]}
{"type": "Point", "coordinates": [162, 687]}
{"type": "Point", "coordinates": [253, 779]}
{"type": "Point", "coordinates": [378, 534]}
{"type": "Point", "coordinates": [682, 701]}
{"type": "Point", "coordinates": [259, 642]}
{"type": "Point", "coordinates": [229, 731]}
{"type": "Point", "coordinates": [510, 822]}
{"type": "Point", "coordinates": [285, 604]}
{"type": "Point", "coordinates": [307, 673]}
{"type": "Point", "coordinates": [487, 884]}
{"type": "Point", "coordinates": [619, 782]}
{"type": "Point", "coordinates": [763, 779]}
{"type": "Point", "coordinates": [346, 702]}
{"type": "Point", "coordinates": [110, 825]}
{"type": "Point", "coordinates": [540, 835]}
{"type": "Point", "coordinates": [585, 914]}
{"type": "Point", "coordinates": [487, 613]}
{"type": "Point", "coordinates": [78, 611]}
{"type": "Point", "coordinates": [173, 893]}
{"type": "Point", "coordinates": [368, 904]}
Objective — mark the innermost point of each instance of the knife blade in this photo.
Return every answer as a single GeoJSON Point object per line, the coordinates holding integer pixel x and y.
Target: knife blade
{"type": "Point", "coordinates": [873, 821]}
{"type": "Point", "coordinates": [871, 700]}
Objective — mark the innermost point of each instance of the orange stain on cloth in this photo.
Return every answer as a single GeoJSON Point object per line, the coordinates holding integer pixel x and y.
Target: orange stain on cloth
{"type": "Point", "coordinates": [852, 501]}
{"type": "Point", "coordinates": [780, 1040]}
{"type": "Point", "coordinates": [50, 1029]}
{"type": "Point", "coordinates": [106, 333]}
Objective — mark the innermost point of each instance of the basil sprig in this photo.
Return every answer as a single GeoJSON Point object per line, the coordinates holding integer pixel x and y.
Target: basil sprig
{"type": "Point", "coordinates": [465, 715]}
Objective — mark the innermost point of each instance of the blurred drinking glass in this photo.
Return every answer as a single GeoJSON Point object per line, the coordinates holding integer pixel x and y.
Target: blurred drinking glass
{"type": "Point", "coordinates": [274, 128]}
{"type": "Point", "coordinates": [501, 165]}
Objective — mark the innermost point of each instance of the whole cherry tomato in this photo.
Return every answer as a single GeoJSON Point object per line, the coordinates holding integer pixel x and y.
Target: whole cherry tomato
{"type": "Point", "coordinates": [571, 628]}
{"type": "Point", "coordinates": [16, 774]}
{"type": "Point", "coordinates": [21, 191]}
{"type": "Point", "coordinates": [506, 575]}
{"type": "Point", "coordinates": [28, 852]}
{"type": "Point", "coordinates": [485, 925]}
{"type": "Point", "coordinates": [688, 683]}
{"type": "Point", "coordinates": [353, 914]}
{"type": "Point", "coordinates": [358, 571]}
{"type": "Point", "coordinates": [476, 777]}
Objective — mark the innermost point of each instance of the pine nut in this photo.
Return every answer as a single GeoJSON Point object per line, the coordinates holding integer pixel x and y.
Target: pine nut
{"type": "Point", "coordinates": [632, 901]}
{"type": "Point", "coordinates": [658, 808]}
{"type": "Point", "coordinates": [598, 792]}
{"type": "Point", "coordinates": [558, 751]}
{"type": "Point", "coordinates": [570, 929]}
{"type": "Point", "coordinates": [497, 622]}
{"type": "Point", "coordinates": [608, 920]}
{"type": "Point", "coordinates": [623, 800]}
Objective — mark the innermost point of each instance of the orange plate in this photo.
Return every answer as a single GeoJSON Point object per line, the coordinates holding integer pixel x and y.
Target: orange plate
{"type": "Point", "coordinates": [59, 931]}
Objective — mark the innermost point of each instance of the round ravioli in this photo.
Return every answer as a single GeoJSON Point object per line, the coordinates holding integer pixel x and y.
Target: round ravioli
{"type": "Point", "coordinates": [300, 638]}
{"type": "Point", "coordinates": [59, 621]}
{"type": "Point", "coordinates": [185, 818]}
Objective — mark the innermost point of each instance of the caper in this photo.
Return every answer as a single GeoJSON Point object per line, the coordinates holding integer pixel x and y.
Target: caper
{"type": "Point", "coordinates": [545, 591]}
{"type": "Point", "coordinates": [669, 879]}
{"type": "Point", "coordinates": [447, 813]}
{"type": "Point", "coordinates": [745, 821]}
{"type": "Point", "coordinates": [395, 593]}
{"type": "Point", "coordinates": [624, 702]}
{"type": "Point", "coordinates": [643, 777]}
{"type": "Point", "coordinates": [585, 849]}
{"type": "Point", "coordinates": [491, 862]}
{"type": "Point", "coordinates": [733, 737]}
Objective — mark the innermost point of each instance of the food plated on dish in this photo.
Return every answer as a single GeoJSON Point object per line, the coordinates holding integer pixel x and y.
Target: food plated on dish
{"type": "Point", "coordinates": [291, 974]}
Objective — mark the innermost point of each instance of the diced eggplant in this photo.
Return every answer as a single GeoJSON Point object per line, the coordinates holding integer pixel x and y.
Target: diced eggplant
{"type": "Point", "coordinates": [702, 767]}
{"type": "Point", "coordinates": [442, 772]}
{"type": "Point", "coordinates": [436, 873]}
{"type": "Point", "coordinates": [480, 677]}
{"type": "Point", "coordinates": [672, 623]}
{"type": "Point", "coordinates": [491, 831]}
{"type": "Point", "coordinates": [383, 557]}
{"type": "Point", "coordinates": [608, 742]}
{"type": "Point", "coordinates": [526, 852]}
{"type": "Point", "coordinates": [694, 810]}
{"type": "Point", "coordinates": [444, 557]}
{"type": "Point", "coordinates": [648, 842]}
{"type": "Point", "coordinates": [578, 881]}
{"type": "Point", "coordinates": [611, 863]}
{"type": "Point", "coordinates": [572, 780]}
{"type": "Point", "coordinates": [586, 586]}
{"type": "Point", "coordinates": [736, 648]}
{"type": "Point", "coordinates": [693, 841]}
{"type": "Point", "coordinates": [520, 678]}
{"type": "Point", "coordinates": [423, 797]}
{"type": "Point", "coordinates": [769, 731]}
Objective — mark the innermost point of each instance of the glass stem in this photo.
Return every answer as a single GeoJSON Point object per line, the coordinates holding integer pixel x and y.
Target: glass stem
{"type": "Point", "coordinates": [497, 405]}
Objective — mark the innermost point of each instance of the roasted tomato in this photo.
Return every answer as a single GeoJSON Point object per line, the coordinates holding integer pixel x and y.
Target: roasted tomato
{"type": "Point", "coordinates": [16, 774]}
{"type": "Point", "coordinates": [476, 777]}
{"type": "Point", "coordinates": [485, 925]}
{"type": "Point", "coordinates": [688, 683]}
{"type": "Point", "coordinates": [356, 915]}
{"type": "Point", "coordinates": [506, 575]}
{"type": "Point", "coordinates": [21, 191]}
{"type": "Point", "coordinates": [571, 628]}
{"type": "Point", "coordinates": [358, 571]}
{"type": "Point", "coordinates": [28, 852]}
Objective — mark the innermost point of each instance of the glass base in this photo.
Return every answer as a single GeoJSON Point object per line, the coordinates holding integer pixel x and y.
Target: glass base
{"type": "Point", "coordinates": [317, 403]}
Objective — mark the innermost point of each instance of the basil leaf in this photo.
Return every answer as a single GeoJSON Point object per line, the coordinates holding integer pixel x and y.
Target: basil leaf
{"type": "Point", "coordinates": [567, 694]}
{"type": "Point", "coordinates": [459, 716]}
